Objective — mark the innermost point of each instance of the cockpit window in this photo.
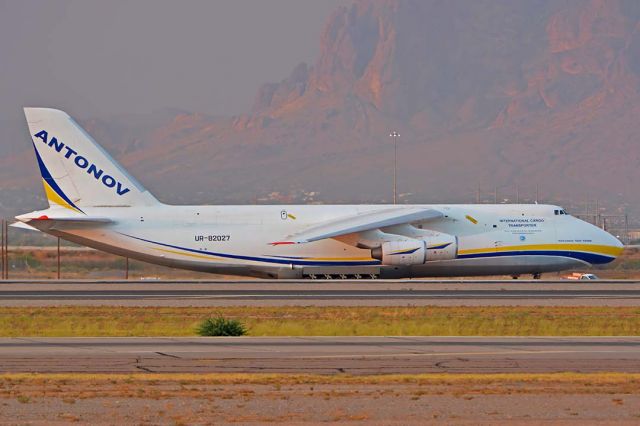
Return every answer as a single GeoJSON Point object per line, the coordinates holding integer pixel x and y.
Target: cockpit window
{"type": "Point", "coordinates": [556, 212]}
{"type": "Point", "coordinates": [560, 211]}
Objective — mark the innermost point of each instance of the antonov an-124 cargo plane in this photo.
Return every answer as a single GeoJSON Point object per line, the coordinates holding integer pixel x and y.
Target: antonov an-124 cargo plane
{"type": "Point", "coordinates": [93, 201]}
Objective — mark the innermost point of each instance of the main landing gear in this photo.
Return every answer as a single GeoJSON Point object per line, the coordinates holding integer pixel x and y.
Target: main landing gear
{"type": "Point", "coordinates": [536, 276]}
{"type": "Point", "coordinates": [342, 276]}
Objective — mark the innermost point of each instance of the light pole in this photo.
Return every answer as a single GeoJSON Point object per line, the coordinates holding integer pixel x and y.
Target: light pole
{"type": "Point", "coordinates": [395, 135]}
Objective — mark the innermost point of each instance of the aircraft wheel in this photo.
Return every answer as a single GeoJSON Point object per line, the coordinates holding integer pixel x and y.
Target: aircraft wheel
{"type": "Point", "coordinates": [537, 276]}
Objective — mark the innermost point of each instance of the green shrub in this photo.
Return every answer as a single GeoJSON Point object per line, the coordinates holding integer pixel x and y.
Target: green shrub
{"type": "Point", "coordinates": [221, 326]}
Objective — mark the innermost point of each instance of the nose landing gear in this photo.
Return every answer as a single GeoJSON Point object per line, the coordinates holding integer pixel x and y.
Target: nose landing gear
{"type": "Point", "coordinates": [537, 276]}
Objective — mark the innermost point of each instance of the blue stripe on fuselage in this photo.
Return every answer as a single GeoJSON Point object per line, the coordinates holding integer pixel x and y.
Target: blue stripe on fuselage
{"type": "Point", "coordinates": [261, 259]}
{"type": "Point", "coordinates": [584, 256]}
{"type": "Point", "coordinates": [592, 258]}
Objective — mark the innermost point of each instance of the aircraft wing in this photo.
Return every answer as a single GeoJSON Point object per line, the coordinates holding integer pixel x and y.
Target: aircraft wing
{"type": "Point", "coordinates": [361, 223]}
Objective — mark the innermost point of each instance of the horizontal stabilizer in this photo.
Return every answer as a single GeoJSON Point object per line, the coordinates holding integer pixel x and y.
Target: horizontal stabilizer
{"type": "Point", "coordinates": [363, 222]}
{"type": "Point", "coordinates": [22, 225]}
{"type": "Point", "coordinates": [84, 220]}
{"type": "Point", "coordinates": [46, 222]}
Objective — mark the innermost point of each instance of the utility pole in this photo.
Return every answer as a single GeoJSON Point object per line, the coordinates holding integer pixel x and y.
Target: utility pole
{"type": "Point", "coordinates": [626, 229]}
{"type": "Point", "coordinates": [395, 135]}
{"type": "Point", "coordinates": [2, 248]}
{"type": "Point", "coordinates": [58, 258]}
{"type": "Point", "coordinates": [126, 268]}
{"type": "Point", "coordinates": [5, 249]}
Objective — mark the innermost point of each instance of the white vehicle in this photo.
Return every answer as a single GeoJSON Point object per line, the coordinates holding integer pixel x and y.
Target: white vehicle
{"type": "Point", "coordinates": [580, 276]}
{"type": "Point", "coordinates": [93, 201]}
{"type": "Point", "coordinates": [588, 277]}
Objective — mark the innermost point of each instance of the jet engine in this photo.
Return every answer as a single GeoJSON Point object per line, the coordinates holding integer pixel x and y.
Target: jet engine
{"type": "Point", "coordinates": [416, 252]}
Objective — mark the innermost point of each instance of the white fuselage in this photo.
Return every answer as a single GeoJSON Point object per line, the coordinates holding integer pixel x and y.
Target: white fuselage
{"type": "Point", "coordinates": [95, 202]}
{"type": "Point", "coordinates": [491, 239]}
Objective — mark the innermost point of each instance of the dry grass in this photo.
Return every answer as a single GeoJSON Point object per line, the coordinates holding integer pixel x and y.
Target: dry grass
{"type": "Point", "coordinates": [324, 321]}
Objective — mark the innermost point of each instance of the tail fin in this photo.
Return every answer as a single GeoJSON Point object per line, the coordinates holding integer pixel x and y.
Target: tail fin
{"type": "Point", "coordinates": [76, 171]}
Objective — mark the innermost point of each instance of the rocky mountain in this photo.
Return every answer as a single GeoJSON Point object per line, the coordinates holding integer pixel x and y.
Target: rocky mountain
{"type": "Point", "coordinates": [489, 93]}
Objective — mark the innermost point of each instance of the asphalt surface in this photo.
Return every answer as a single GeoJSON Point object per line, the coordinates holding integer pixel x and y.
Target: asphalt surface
{"type": "Point", "coordinates": [316, 294]}
{"type": "Point", "coordinates": [335, 293]}
{"type": "Point", "coordinates": [323, 355]}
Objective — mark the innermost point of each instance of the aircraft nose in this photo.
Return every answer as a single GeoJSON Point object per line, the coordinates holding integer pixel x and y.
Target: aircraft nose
{"type": "Point", "coordinates": [614, 244]}
{"type": "Point", "coordinates": [609, 239]}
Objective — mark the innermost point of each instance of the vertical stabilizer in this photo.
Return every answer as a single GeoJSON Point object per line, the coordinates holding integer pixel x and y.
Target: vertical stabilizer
{"type": "Point", "coordinates": [76, 171]}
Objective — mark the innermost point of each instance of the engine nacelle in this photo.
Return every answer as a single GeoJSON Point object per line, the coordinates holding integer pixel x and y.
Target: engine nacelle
{"type": "Point", "coordinates": [407, 252]}
{"type": "Point", "coordinates": [442, 247]}
{"type": "Point", "coordinates": [416, 252]}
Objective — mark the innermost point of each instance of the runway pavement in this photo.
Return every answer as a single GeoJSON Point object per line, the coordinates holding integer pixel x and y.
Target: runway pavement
{"type": "Point", "coordinates": [334, 293]}
{"type": "Point", "coordinates": [324, 355]}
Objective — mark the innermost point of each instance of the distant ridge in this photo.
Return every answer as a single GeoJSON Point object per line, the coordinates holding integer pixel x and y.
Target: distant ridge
{"type": "Point", "coordinates": [489, 92]}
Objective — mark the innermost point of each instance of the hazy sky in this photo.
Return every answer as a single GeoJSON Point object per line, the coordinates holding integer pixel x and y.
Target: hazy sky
{"type": "Point", "coordinates": [109, 56]}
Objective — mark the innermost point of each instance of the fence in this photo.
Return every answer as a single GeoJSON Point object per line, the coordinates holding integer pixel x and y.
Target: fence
{"type": "Point", "coordinates": [4, 254]}
{"type": "Point", "coordinates": [4, 249]}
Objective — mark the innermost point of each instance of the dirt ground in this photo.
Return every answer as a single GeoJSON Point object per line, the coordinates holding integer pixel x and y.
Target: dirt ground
{"type": "Point", "coordinates": [200, 402]}
{"type": "Point", "coordinates": [300, 406]}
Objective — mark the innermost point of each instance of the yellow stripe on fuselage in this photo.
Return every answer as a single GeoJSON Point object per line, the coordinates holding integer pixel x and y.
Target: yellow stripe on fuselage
{"type": "Point", "coordinates": [199, 256]}
{"type": "Point", "coordinates": [589, 248]}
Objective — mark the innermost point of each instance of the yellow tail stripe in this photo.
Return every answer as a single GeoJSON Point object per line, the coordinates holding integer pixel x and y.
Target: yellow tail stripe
{"type": "Point", "coordinates": [53, 197]}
